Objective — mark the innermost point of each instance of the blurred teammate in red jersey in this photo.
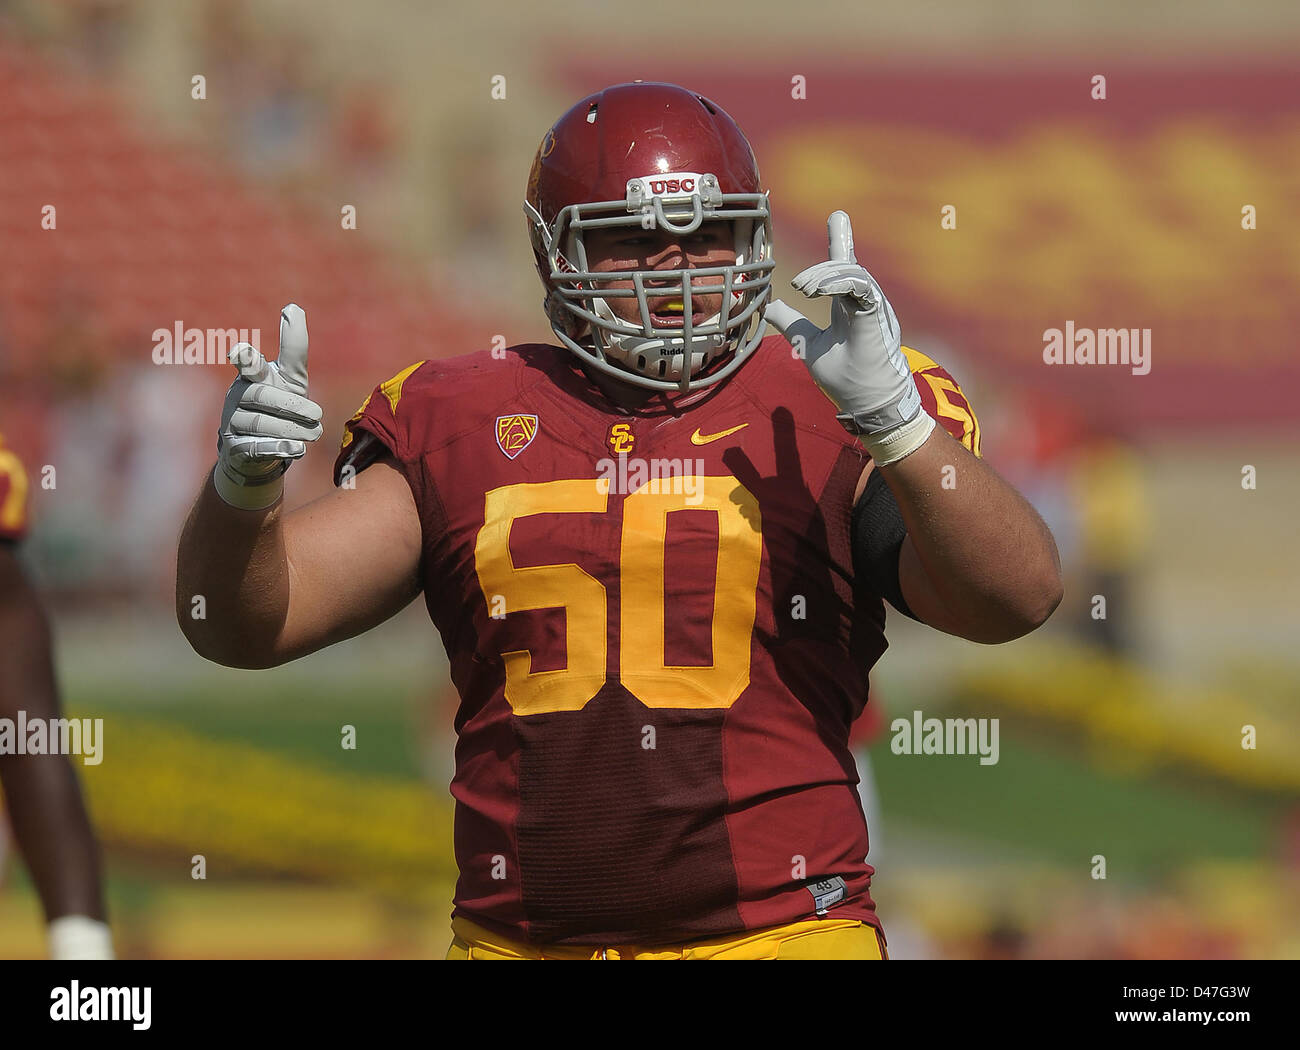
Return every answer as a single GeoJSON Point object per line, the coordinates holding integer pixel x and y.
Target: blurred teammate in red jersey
{"type": "Point", "coordinates": [657, 554]}
{"type": "Point", "coordinates": [44, 801]}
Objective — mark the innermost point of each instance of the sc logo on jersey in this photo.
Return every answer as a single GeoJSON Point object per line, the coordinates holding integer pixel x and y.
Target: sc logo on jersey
{"type": "Point", "coordinates": [621, 439]}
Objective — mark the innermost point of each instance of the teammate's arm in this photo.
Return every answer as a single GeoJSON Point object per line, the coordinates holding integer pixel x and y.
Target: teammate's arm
{"type": "Point", "coordinates": [257, 586]}
{"type": "Point", "coordinates": [45, 804]}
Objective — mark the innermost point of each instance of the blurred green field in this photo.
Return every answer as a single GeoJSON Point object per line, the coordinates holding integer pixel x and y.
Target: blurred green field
{"type": "Point", "coordinates": [1043, 801]}
{"type": "Point", "coordinates": [305, 724]}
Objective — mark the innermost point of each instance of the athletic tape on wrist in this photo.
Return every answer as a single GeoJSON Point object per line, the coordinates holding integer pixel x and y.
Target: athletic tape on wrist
{"type": "Point", "coordinates": [899, 442]}
{"type": "Point", "coordinates": [247, 497]}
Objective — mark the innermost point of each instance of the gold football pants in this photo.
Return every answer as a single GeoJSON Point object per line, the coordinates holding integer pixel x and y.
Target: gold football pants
{"type": "Point", "coordinates": [815, 939]}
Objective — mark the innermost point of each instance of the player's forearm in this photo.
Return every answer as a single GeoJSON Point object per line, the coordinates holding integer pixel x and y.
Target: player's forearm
{"type": "Point", "coordinates": [977, 547]}
{"type": "Point", "coordinates": [232, 581]}
{"type": "Point", "coordinates": [45, 804]}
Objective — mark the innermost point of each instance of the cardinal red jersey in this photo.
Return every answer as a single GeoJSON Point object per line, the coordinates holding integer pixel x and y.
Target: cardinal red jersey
{"type": "Point", "coordinates": [13, 495]}
{"type": "Point", "coordinates": [652, 623]}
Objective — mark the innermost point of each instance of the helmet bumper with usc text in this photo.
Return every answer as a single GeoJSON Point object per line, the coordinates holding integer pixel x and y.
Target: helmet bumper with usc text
{"type": "Point", "coordinates": [654, 157]}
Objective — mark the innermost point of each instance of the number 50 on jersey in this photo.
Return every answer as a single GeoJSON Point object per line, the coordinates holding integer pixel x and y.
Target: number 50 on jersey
{"type": "Point", "coordinates": [643, 669]}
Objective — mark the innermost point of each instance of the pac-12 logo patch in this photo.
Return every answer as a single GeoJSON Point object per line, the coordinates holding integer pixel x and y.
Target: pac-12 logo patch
{"type": "Point", "coordinates": [515, 433]}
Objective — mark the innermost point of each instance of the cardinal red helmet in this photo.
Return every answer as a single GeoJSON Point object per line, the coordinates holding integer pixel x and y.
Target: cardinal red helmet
{"type": "Point", "coordinates": [659, 157]}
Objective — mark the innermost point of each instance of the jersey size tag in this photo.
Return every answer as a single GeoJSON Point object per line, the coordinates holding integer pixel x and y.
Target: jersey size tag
{"type": "Point", "coordinates": [827, 893]}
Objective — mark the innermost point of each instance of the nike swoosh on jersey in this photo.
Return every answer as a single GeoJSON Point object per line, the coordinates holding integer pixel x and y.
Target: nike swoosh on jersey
{"type": "Point", "coordinates": [703, 439]}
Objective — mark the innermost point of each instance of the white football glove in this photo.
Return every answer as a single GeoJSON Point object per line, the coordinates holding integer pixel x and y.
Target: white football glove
{"type": "Point", "coordinates": [267, 419]}
{"type": "Point", "coordinates": [858, 361]}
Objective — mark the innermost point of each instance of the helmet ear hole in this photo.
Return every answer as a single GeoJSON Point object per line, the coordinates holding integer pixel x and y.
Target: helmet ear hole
{"type": "Point", "coordinates": [561, 319]}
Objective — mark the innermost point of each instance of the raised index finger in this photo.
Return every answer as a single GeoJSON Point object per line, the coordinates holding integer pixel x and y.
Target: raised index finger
{"type": "Point", "coordinates": [840, 234]}
{"type": "Point", "coordinates": [292, 361]}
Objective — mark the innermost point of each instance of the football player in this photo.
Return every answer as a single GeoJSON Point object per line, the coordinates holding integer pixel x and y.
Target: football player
{"type": "Point", "coordinates": [657, 554]}
{"type": "Point", "coordinates": [45, 804]}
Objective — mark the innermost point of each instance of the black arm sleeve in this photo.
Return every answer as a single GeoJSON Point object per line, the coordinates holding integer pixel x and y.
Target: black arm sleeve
{"type": "Point", "coordinates": [878, 532]}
